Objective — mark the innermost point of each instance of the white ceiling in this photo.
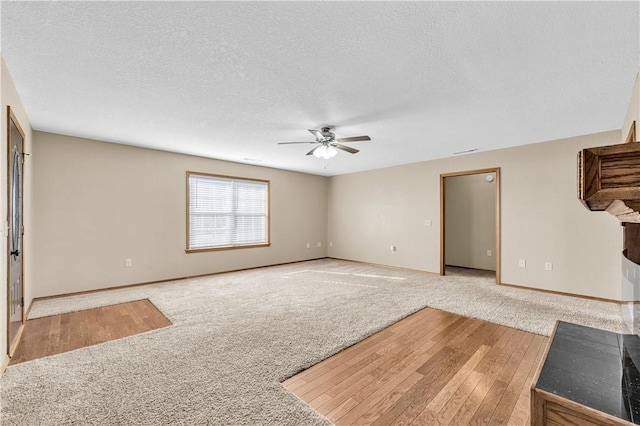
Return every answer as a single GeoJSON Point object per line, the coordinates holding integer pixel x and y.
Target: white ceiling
{"type": "Point", "coordinates": [229, 80]}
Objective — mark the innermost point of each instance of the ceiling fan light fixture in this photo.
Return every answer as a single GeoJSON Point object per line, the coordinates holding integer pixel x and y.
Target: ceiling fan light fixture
{"type": "Point", "coordinates": [325, 151]}
{"type": "Point", "coordinates": [326, 144]}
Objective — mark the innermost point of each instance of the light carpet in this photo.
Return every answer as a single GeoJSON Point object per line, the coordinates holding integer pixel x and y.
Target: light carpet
{"type": "Point", "coordinates": [236, 336]}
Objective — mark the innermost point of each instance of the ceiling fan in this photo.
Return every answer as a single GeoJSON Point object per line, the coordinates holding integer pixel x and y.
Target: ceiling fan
{"type": "Point", "coordinates": [327, 143]}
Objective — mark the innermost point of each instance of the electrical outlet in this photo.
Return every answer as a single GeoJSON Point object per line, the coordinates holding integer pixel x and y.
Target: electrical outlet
{"type": "Point", "coordinates": [127, 263]}
{"type": "Point", "coordinates": [489, 253]}
{"type": "Point", "coordinates": [548, 266]}
{"type": "Point", "coordinates": [330, 244]}
{"type": "Point", "coordinates": [319, 244]}
{"type": "Point", "coordinates": [427, 222]}
{"type": "Point", "coordinates": [522, 263]}
{"type": "Point", "coordinates": [308, 245]}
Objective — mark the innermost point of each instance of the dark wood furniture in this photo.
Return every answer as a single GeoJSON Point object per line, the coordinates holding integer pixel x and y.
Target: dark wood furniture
{"type": "Point", "coordinates": [587, 377]}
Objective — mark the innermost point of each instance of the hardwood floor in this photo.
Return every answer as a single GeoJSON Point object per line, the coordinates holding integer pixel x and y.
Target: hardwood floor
{"type": "Point", "coordinates": [62, 333]}
{"type": "Point", "coordinates": [432, 367]}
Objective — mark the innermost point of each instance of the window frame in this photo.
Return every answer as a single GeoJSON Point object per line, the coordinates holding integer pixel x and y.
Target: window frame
{"type": "Point", "coordinates": [228, 247]}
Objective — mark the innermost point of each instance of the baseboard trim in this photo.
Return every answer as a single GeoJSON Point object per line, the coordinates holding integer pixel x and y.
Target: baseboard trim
{"type": "Point", "coordinates": [98, 290]}
{"type": "Point", "coordinates": [562, 293]}
{"type": "Point", "coordinates": [400, 268]}
{"type": "Point", "coordinates": [77, 293]}
{"type": "Point", "coordinates": [522, 287]}
{"type": "Point", "coordinates": [7, 359]}
{"type": "Point", "coordinates": [13, 347]}
{"type": "Point", "coordinates": [26, 315]}
{"type": "Point", "coordinates": [469, 268]}
{"type": "Point", "coordinates": [4, 365]}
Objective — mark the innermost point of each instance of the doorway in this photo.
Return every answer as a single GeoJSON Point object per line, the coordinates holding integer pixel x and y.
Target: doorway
{"type": "Point", "coordinates": [474, 242]}
{"type": "Point", "coordinates": [15, 256]}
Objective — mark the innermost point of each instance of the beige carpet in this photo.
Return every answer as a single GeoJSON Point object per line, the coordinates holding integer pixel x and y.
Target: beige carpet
{"type": "Point", "coordinates": [236, 336]}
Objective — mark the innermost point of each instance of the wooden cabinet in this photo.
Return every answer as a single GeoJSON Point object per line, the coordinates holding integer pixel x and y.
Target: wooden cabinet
{"type": "Point", "coordinates": [609, 173]}
{"type": "Point", "coordinates": [587, 377]}
{"type": "Point", "coordinates": [549, 409]}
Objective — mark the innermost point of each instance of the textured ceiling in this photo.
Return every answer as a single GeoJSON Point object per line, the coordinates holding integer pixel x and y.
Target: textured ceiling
{"type": "Point", "coordinates": [229, 80]}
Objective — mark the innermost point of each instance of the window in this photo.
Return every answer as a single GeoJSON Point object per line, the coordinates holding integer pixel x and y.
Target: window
{"type": "Point", "coordinates": [226, 212]}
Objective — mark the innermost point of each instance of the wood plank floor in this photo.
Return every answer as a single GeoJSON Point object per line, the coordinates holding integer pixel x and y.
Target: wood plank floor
{"type": "Point", "coordinates": [432, 367]}
{"type": "Point", "coordinates": [62, 333]}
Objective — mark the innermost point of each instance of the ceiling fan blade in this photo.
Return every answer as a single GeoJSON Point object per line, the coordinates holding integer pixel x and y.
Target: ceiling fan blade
{"type": "Point", "coordinates": [354, 139]}
{"type": "Point", "coordinates": [317, 134]}
{"type": "Point", "coordinates": [345, 148]}
{"type": "Point", "coordinates": [288, 143]}
{"type": "Point", "coordinates": [313, 150]}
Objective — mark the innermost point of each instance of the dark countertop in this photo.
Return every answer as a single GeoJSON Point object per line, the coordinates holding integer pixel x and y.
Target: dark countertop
{"type": "Point", "coordinates": [595, 368]}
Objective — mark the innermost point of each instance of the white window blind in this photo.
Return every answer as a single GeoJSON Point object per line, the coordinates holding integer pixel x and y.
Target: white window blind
{"type": "Point", "coordinates": [227, 212]}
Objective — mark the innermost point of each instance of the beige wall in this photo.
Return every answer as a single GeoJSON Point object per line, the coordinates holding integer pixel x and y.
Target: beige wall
{"type": "Point", "coordinates": [633, 112]}
{"type": "Point", "coordinates": [470, 221]}
{"type": "Point", "coordinates": [542, 219]}
{"type": "Point", "coordinates": [96, 204]}
{"type": "Point", "coordinates": [9, 97]}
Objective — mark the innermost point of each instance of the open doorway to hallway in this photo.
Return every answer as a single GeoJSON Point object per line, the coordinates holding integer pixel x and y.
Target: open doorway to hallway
{"type": "Point", "coordinates": [470, 223]}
